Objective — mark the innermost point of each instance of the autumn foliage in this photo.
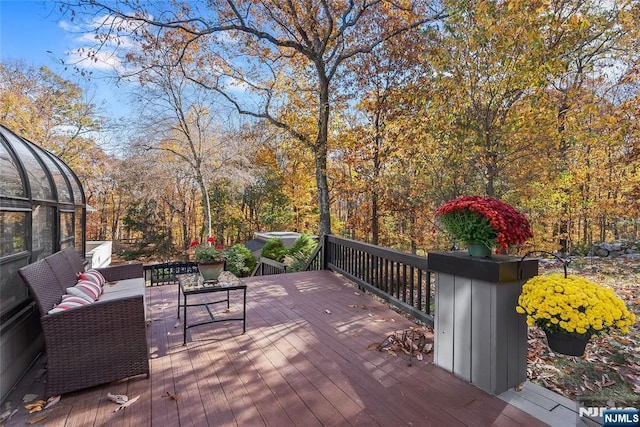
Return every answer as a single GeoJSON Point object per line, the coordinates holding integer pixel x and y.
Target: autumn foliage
{"type": "Point", "coordinates": [370, 127]}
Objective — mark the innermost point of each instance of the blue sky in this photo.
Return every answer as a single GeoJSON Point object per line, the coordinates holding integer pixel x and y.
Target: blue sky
{"type": "Point", "coordinates": [28, 29]}
{"type": "Point", "coordinates": [32, 30]}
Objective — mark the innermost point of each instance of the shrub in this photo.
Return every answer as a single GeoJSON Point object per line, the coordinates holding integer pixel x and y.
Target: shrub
{"type": "Point", "coordinates": [240, 260]}
{"type": "Point", "coordinates": [299, 253]}
{"type": "Point", "coordinates": [295, 262]}
{"type": "Point", "coordinates": [274, 249]}
{"type": "Point", "coordinates": [304, 245]}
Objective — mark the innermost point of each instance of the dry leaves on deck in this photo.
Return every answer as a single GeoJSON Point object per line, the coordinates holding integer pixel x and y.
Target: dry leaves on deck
{"type": "Point", "coordinates": [122, 400]}
{"type": "Point", "coordinates": [172, 396]}
{"type": "Point", "coordinates": [412, 342]}
{"type": "Point", "coordinates": [40, 405]}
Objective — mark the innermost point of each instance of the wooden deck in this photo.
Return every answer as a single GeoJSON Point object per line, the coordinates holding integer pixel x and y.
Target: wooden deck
{"type": "Point", "coordinates": [304, 361]}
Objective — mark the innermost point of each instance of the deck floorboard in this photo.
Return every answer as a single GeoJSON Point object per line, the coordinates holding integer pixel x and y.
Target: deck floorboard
{"type": "Point", "coordinates": [305, 360]}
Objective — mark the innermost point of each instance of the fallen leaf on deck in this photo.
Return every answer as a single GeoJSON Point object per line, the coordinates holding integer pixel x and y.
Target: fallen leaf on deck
{"type": "Point", "coordinates": [127, 403]}
{"type": "Point", "coordinates": [327, 311]}
{"type": "Point", "coordinates": [412, 342]}
{"type": "Point", "coordinates": [357, 293]}
{"type": "Point", "coordinates": [518, 387]}
{"type": "Point", "coordinates": [29, 398]}
{"type": "Point", "coordinates": [173, 396]}
{"type": "Point", "coordinates": [35, 406]}
{"type": "Point", "coordinates": [52, 401]}
{"type": "Point", "coordinates": [6, 415]}
{"type": "Point", "coordinates": [37, 419]}
{"type": "Point", "coordinates": [242, 351]}
{"type": "Point", "coordinates": [353, 305]}
{"type": "Point", "coordinates": [118, 398]}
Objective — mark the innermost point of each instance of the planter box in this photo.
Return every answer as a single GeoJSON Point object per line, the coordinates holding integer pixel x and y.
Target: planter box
{"type": "Point", "coordinates": [478, 334]}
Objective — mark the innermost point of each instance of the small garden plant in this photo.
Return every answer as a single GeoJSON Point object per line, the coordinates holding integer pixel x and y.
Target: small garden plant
{"type": "Point", "coordinates": [274, 249]}
{"type": "Point", "coordinates": [240, 260]}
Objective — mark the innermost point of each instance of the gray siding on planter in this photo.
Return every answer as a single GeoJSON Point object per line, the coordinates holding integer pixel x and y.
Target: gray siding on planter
{"type": "Point", "coordinates": [478, 334]}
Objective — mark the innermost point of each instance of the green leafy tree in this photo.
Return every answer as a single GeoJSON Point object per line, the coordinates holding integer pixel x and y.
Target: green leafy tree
{"type": "Point", "coordinates": [292, 54]}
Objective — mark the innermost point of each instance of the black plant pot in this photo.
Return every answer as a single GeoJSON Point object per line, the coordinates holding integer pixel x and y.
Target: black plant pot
{"type": "Point", "coordinates": [566, 344]}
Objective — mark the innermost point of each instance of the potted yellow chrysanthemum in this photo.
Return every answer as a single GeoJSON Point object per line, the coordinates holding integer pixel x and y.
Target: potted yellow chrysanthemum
{"type": "Point", "coordinates": [571, 309]}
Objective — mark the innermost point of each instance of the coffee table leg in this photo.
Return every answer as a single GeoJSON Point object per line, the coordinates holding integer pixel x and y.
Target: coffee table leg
{"type": "Point", "coordinates": [178, 301]}
{"type": "Point", "coordinates": [244, 311]}
{"type": "Point", "coordinates": [184, 326]}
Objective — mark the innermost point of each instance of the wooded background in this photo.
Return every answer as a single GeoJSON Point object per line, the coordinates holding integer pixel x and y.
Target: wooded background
{"type": "Point", "coordinates": [533, 102]}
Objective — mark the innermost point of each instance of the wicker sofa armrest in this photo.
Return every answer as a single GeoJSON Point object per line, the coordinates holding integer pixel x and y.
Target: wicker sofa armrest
{"type": "Point", "coordinates": [122, 272]}
{"type": "Point", "coordinates": [95, 344]}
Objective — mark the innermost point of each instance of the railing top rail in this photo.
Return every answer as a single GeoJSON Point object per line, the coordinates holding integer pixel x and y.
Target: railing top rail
{"type": "Point", "coordinates": [272, 263]}
{"type": "Point", "coordinates": [382, 252]}
{"type": "Point", "coordinates": [313, 256]}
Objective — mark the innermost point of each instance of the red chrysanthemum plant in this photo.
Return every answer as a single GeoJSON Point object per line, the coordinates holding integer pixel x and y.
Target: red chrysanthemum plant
{"type": "Point", "coordinates": [209, 251]}
{"type": "Point", "coordinates": [484, 220]}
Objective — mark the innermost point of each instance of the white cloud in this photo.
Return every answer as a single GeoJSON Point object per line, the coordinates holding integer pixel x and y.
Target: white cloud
{"type": "Point", "coordinates": [95, 60]}
{"type": "Point", "coordinates": [101, 43]}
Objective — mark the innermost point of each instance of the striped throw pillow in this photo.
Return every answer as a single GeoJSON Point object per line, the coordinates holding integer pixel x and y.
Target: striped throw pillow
{"type": "Point", "coordinates": [92, 275]}
{"type": "Point", "coordinates": [68, 302]}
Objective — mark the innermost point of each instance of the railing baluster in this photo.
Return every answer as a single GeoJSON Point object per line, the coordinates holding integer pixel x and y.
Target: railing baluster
{"type": "Point", "coordinates": [387, 273]}
{"type": "Point", "coordinates": [412, 274]}
{"type": "Point", "coordinates": [404, 284]}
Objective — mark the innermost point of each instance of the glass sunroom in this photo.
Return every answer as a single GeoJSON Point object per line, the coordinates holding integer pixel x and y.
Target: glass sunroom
{"type": "Point", "coordinates": [42, 210]}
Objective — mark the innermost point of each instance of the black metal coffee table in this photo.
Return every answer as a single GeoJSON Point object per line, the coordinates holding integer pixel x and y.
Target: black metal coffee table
{"type": "Point", "coordinates": [193, 284]}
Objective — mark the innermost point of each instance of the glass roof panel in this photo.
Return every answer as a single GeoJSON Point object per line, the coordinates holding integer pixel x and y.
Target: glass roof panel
{"type": "Point", "coordinates": [64, 194]}
{"type": "Point", "coordinates": [75, 186]}
{"type": "Point", "coordinates": [40, 185]}
{"type": "Point", "coordinates": [10, 179]}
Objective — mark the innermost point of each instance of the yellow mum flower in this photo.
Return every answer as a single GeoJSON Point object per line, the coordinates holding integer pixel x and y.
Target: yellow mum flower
{"type": "Point", "coordinates": [573, 304]}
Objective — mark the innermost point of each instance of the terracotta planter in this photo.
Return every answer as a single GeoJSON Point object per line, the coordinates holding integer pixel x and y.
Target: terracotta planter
{"type": "Point", "coordinates": [566, 344]}
{"type": "Point", "coordinates": [210, 270]}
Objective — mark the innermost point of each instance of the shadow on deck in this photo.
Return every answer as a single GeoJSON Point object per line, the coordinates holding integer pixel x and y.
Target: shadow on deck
{"type": "Point", "coordinates": [304, 360]}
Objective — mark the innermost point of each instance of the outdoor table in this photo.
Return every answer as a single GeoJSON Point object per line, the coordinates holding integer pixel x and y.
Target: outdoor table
{"type": "Point", "coordinates": [194, 284]}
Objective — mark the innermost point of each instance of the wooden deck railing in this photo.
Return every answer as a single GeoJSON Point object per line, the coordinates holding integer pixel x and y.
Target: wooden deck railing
{"type": "Point", "coordinates": [402, 279]}
{"type": "Point", "coordinates": [162, 274]}
{"type": "Point", "coordinates": [267, 267]}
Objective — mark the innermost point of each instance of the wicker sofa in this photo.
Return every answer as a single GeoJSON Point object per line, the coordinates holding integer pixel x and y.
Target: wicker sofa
{"type": "Point", "coordinates": [96, 343]}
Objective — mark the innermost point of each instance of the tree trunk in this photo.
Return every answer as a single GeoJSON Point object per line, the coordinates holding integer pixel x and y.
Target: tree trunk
{"type": "Point", "coordinates": [321, 152]}
{"type": "Point", "coordinates": [563, 152]}
{"type": "Point", "coordinates": [206, 203]}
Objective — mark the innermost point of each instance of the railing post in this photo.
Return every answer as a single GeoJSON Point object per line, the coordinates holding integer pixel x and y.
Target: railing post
{"type": "Point", "coordinates": [478, 334]}
{"type": "Point", "coordinates": [325, 252]}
